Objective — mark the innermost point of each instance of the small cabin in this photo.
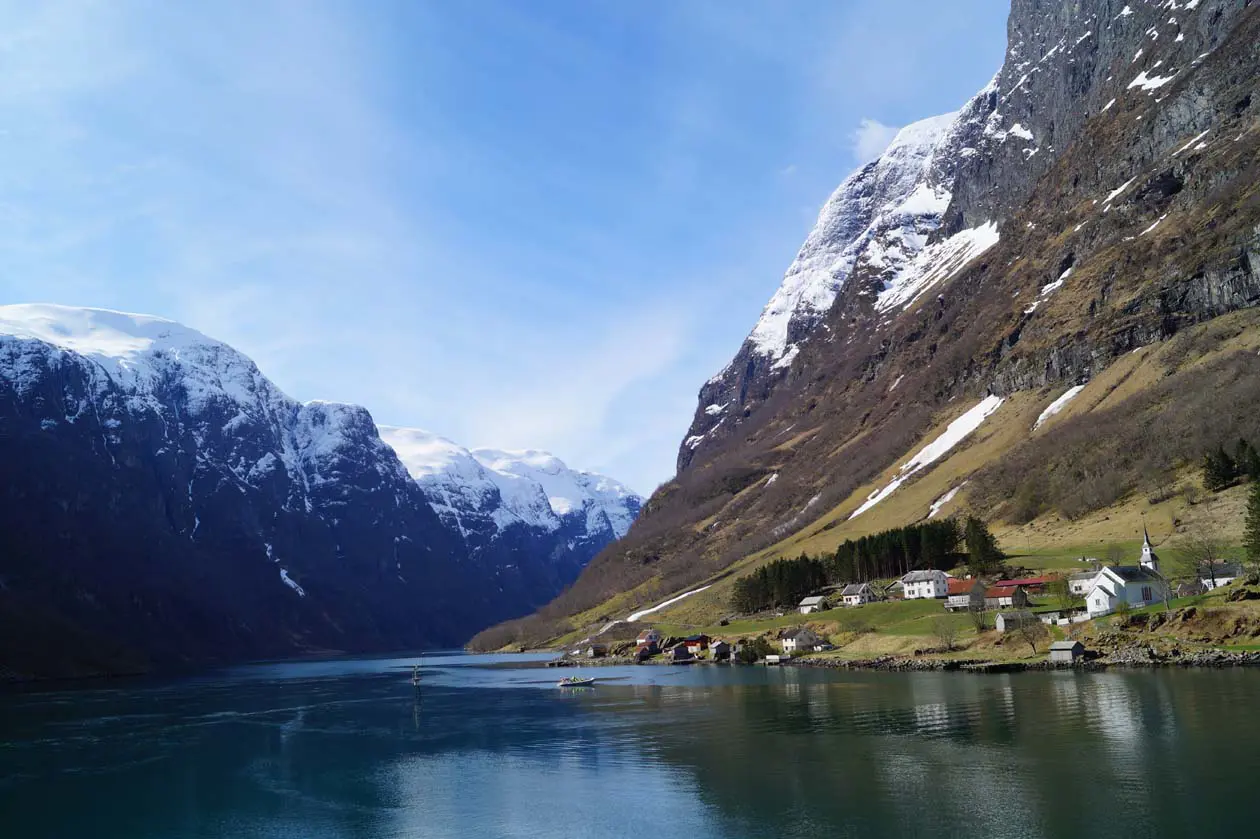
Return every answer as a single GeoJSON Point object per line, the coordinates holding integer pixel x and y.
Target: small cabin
{"type": "Point", "coordinates": [696, 644]}
{"type": "Point", "coordinates": [1008, 621]}
{"type": "Point", "coordinates": [649, 639]}
{"type": "Point", "coordinates": [720, 650]}
{"type": "Point", "coordinates": [857, 594]}
{"type": "Point", "coordinates": [816, 603]}
{"type": "Point", "coordinates": [1005, 597]}
{"type": "Point", "coordinates": [1066, 652]}
{"type": "Point", "coordinates": [597, 651]}
{"type": "Point", "coordinates": [680, 652]}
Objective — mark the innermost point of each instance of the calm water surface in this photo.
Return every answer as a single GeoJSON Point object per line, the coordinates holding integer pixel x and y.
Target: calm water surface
{"type": "Point", "coordinates": [346, 749]}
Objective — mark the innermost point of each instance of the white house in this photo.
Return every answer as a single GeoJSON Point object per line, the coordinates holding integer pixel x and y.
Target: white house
{"type": "Point", "coordinates": [855, 594]}
{"type": "Point", "coordinates": [799, 640]}
{"type": "Point", "coordinates": [1137, 585]}
{"type": "Point", "coordinates": [924, 585]}
{"type": "Point", "coordinates": [1219, 574]}
{"type": "Point", "coordinates": [1080, 584]}
{"type": "Point", "coordinates": [817, 603]}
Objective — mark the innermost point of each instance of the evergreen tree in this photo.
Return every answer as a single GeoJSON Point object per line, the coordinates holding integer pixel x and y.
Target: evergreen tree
{"type": "Point", "coordinates": [1251, 530]}
{"type": "Point", "coordinates": [1247, 461]}
{"type": "Point", "coordinates": [983, 554]}
{"type": "Point", "coordinates": [1219, 470]}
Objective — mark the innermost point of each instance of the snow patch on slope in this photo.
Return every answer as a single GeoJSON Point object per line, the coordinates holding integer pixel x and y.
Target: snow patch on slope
{"type": "Point", "coordinates": [642, 612]}
{"type": "Point", "coordinates": [1057, 405]}
{"type": "Point", "coordinates": [936, 263]}
{"type": "Point", "coordinates": [954, 433]}
{"type": "Point", "coordinates": [943, 500]}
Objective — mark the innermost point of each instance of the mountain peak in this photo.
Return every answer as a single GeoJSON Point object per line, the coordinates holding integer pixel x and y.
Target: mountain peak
{"type": "Point", "coordinates": [529, 486]}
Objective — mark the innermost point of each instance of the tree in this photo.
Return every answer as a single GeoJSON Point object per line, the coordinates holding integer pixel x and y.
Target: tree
{"type": "Point", "coordinates": [1061, 592]}
{"type": "Point", "coordinates": [984, 556]}
{"type": "Point", "coordinates": [946, 631]}
{"type": "Point", "coordinates": [1033, 632]}
{"type": "Point", "coordinates": [1114, 555]}
{"type": "Point", "coordinates": [753, 650]}
{"type": "Point", "coordinates": [1201, 552]}
{"type": "Point", "coordinates": [1247, 460]}
{"type": "Point", "coordinates": [1251, 529]}
{"type": "Point", "coordinates": [1219, 469]}
{"type": "Point", "coordinates": [978, 619]}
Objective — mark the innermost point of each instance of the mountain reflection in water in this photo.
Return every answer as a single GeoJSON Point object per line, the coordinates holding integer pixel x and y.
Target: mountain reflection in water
{"type": "Point", "coordinates": [348, 748]}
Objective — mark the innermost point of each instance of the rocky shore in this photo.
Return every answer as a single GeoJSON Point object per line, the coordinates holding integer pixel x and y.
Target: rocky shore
{"type": "Point", "coordinates": [1133, 657]}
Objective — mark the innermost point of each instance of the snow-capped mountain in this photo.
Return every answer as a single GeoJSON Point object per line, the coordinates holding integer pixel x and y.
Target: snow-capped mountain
{"type": "Point", "coordinates": [165, 501]}
{"type": "Point", "coordinates": [469, 488]}
{"type": "Point", "coordinates": [932, 203]}
{"type": "Point", "coordinates": [510, 504]}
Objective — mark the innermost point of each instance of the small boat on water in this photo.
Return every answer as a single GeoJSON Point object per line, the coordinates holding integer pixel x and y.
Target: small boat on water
{"type": "Point", "coordinates": [575, 682]}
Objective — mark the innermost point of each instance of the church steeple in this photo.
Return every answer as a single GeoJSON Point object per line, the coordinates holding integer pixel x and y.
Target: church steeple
{"type": "Point", "coordinates": [1149, 559]}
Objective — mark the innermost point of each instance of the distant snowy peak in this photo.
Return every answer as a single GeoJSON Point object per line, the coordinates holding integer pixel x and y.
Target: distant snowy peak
{"type": "Point", "coordinates": [881, 215]}
{"type": "Point", "coordinates": [530, 487]}
{"type": "Point", "coordinates": [143, 366]}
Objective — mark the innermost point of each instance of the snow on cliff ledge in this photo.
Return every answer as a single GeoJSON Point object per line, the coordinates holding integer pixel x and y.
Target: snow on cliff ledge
{"type": "Point", "coordinates": [881, 217]}
{"type": "Point", "coordinates": [532, 487]}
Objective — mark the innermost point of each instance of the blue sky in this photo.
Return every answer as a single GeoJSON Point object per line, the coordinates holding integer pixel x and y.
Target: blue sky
{"type": "Point", "coordinates": [517, 224]}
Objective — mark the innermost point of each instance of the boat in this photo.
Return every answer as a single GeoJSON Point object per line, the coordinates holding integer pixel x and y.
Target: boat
{"type": "Point", "coordinates": [575, 682]}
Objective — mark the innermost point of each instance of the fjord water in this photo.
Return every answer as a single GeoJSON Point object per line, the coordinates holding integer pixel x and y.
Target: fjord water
{"type": "Point", "coordinates": [490, 748]}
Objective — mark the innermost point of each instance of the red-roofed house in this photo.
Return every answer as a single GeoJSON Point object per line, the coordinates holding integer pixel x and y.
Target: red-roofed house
{"type": "Point", "coordinates": [1005, 597]}
{"type": "Point", "coordinates": [1033, 584]}
{"type": "Point", "coordinates": [964, 594]}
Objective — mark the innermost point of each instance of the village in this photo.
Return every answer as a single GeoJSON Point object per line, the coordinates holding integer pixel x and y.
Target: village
{"type": "Point", "coordinates": [1045, 620]}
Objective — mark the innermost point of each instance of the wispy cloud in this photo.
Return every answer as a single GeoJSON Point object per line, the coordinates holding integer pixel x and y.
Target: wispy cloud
{"type": "Point", "coordinates": [871, 138]}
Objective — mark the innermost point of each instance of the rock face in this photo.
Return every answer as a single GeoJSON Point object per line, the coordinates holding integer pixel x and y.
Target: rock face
{"type": "Point", "coordinates": [1096, 196]}
{"type": "Point", "coordinates": [164, 503]}
{"type": "Point", "coordinates": [935, 199]}
{"type": "Point", "coordinates": [533, 518]}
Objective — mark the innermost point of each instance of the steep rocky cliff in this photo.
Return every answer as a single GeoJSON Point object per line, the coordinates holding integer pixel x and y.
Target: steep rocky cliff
{"type": "Point", "coordinates": [1100, 194]}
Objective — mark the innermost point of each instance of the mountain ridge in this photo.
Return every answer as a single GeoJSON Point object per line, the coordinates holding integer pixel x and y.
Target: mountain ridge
{"type": "Point", "coordinates": [155, 472]}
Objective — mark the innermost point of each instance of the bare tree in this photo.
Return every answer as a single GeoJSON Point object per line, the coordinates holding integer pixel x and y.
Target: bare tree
{"type": "Point", "coordinates": [1114, 555]}
{"type": "Point", "coordinates": [1201, 552]}
{"type": "Point", "coordinates": [946, 631]}
{"type": "Point", "coordinates": [1033, 632]}
{"type": "Point", "coordinates": [978, 619]}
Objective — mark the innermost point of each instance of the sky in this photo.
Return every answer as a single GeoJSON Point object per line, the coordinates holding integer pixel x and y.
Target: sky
{"type": "Point", "coordinates": [515, 224]}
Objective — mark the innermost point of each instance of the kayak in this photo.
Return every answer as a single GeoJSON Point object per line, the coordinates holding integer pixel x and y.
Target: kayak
{"type": "Point", "coordinates": [575, 682]}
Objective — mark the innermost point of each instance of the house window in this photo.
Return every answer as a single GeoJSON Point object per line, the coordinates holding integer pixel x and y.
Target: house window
{"type": "Point", "coordinates": [1146, 593]}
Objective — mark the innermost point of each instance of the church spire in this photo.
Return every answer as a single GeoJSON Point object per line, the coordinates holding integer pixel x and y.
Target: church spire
{"type": "Point", "coordinates": [1149, 559]}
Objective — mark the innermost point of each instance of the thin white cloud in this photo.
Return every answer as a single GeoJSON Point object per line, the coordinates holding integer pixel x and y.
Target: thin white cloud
{"type": "Point", "coordinates": [871, 138]}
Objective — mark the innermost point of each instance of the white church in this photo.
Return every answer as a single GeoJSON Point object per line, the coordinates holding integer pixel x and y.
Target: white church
{"type": "Point", "coordinates": [1137, 585]}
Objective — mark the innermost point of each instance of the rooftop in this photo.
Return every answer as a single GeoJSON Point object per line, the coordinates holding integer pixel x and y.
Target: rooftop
{"type": "Point", "coordinates": [922, 576]}
{"type": "Point", "coordinates": [1133, 573]}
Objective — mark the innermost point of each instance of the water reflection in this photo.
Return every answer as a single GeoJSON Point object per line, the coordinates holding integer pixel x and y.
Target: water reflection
{"type": "Point", "coordinates": [652, 752]}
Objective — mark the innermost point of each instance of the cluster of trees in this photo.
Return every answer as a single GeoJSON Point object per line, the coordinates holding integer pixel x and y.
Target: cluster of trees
{"type": "Point", "coordinates": [891, 553]}
{"type": "Point", "coordinates": [933, 544]}
{"type": "Point", "coordinates": [781, 583]}
{"type": "Point", "coordinates": [1220, 469]}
